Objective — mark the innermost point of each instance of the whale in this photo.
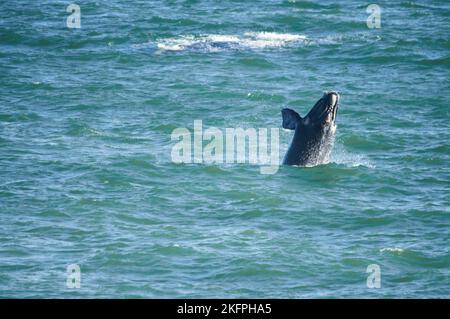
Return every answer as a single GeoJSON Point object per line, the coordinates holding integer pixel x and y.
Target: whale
{"type": "Point", "coordinates": [313, 134]}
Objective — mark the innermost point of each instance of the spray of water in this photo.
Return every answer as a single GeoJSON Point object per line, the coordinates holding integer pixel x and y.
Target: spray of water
{"type": "Point", "coordinates": [341, 156]}
{"type": "Point", "coordinates": [330, 152]}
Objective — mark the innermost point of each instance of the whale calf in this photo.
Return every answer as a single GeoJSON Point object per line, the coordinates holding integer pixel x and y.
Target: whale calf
{"type": "Point", "coordinates": [314, 134]}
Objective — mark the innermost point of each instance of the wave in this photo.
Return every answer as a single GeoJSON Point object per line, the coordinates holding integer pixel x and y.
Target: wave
{"type": "Point", "coordinates": [250, 41]}
{"type": "Point", "coordinates": [218, 42]}
{"type": "Point", "coordinates": [392, 250]}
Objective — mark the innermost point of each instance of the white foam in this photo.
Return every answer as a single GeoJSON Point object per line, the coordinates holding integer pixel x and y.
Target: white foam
{"type": "Point", "coordinates": [219, 42]}
{"type": "Point", "coordinates": [223, 38]}
{"type": "Point", "coordinates": [273, 36]}
{"type": "Point", "coordinates": [338, 39]}
{"type": "Point", "coordinates": [392, 250]}
{"type": "Point", "coordinates": [251, 40]}
{"type": "Point", "coordinates": [176, 44]}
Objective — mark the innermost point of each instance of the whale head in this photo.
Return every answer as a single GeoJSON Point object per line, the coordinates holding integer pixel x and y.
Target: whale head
{"type": "Point", "coordinates": [323, 113]}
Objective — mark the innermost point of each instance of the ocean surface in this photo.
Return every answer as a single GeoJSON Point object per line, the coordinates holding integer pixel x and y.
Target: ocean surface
{"type": "Point", "coordinates": [87, 177]}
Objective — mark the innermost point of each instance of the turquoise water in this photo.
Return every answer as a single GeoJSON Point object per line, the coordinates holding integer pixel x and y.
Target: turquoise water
{"type": "Point", "coordinates": [86, 175]}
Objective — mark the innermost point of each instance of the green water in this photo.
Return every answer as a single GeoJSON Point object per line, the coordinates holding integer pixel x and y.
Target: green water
{"type": "Point", "coordinates": [86, 175]}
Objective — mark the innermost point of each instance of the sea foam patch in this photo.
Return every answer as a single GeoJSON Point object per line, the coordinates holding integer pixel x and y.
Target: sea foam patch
{"type": "Point", "coordinates": [392, 250]}
{"type": "Point", "coordinates": [249, 41]}
{"type": "Point", "coordinates": [219, 42]}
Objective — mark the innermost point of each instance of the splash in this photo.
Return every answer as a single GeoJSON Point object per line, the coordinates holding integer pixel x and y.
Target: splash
{"type": "Point", "coordinates": [343, 157]}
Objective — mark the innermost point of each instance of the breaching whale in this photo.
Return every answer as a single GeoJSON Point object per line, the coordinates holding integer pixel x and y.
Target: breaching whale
{"type": "Point", "coordinates": [314, 134]}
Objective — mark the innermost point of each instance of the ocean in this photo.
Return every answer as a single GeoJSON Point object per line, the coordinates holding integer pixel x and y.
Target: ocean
{"type": "Point", "coordinates": [93, 205]}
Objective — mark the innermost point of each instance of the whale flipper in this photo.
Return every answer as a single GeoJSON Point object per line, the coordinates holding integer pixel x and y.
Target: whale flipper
{"type": "Point", "coordinates": [290, 119]}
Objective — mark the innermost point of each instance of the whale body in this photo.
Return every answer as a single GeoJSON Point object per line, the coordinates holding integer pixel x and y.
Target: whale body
{"type": "Point", "coordinates": [314, 134]}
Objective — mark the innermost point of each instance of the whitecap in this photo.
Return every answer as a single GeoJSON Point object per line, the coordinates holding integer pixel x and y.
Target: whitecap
{"type": "Point", "coordinates": [220, 42]}
{"type": "Point", "coordinates": [250, 40]}
{"type": "Point", "coordinates": [392, 250]}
